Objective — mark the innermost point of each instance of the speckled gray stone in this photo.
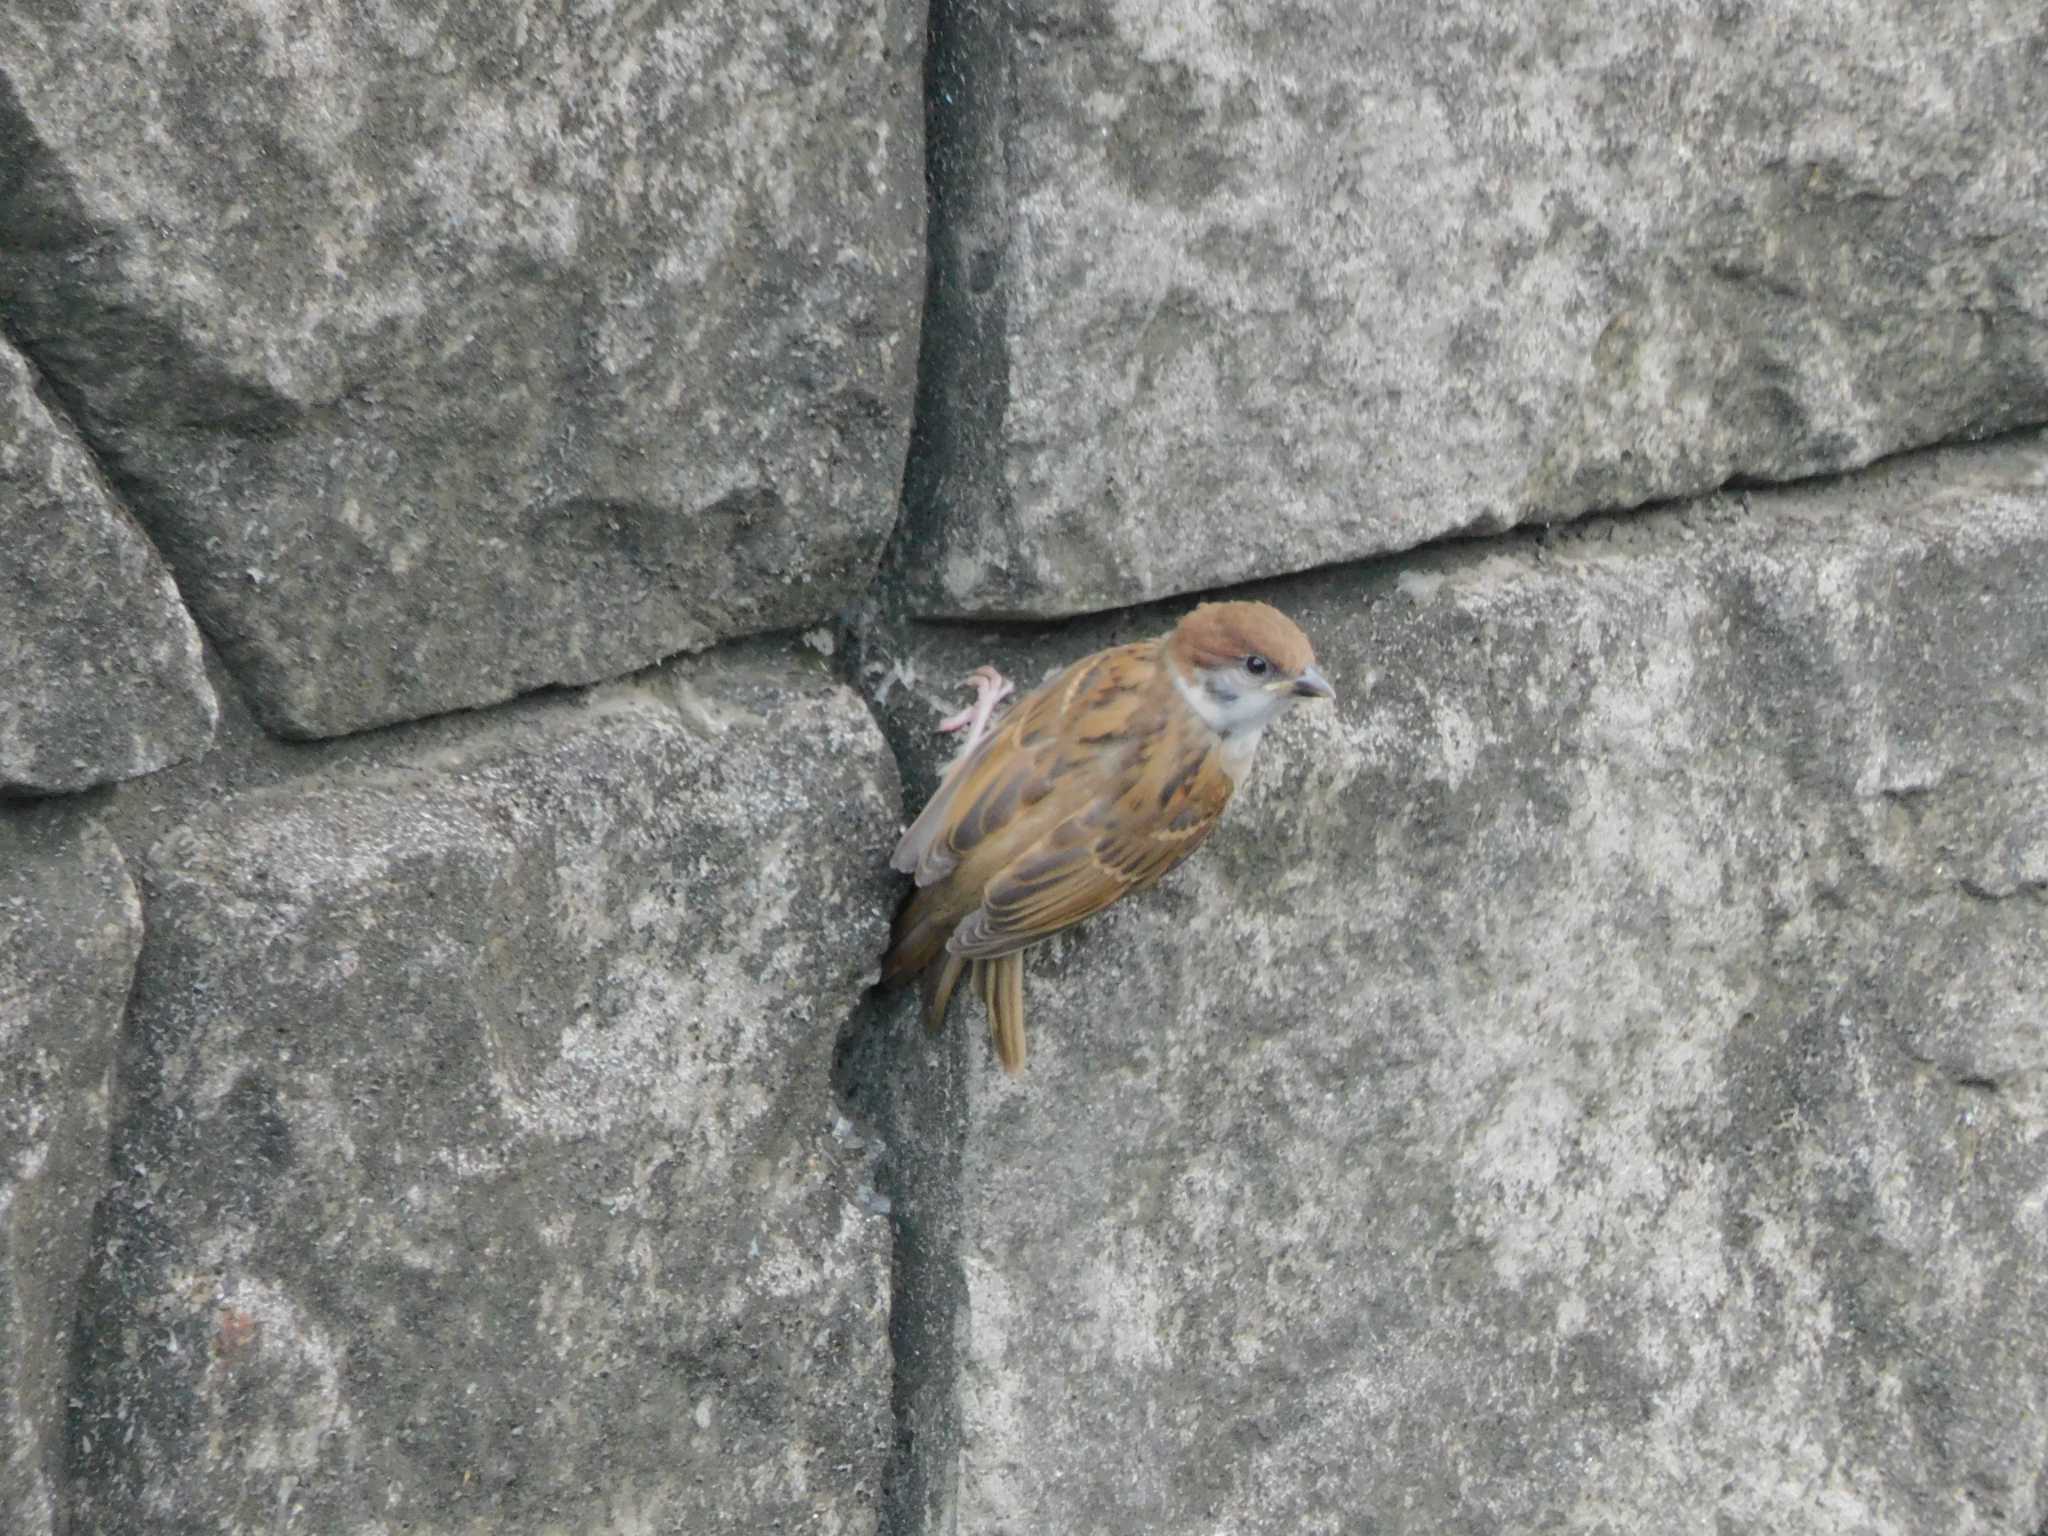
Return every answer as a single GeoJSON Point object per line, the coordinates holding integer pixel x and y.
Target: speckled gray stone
{"type": "Point", "coordinates": [452, 353]}
{"type": "Point", "coordinates": [100, 675]}
{"type": "Point", "coordinates": [477, 1163]}
{"type": "Point", "coordinates": [1221, 293]}
{"type": "Point", "coordinates": [1593, 1080]}
{"type": "Point", "coordinates": [70, 927]}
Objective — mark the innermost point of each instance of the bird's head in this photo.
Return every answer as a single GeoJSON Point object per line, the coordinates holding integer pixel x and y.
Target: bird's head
{"type": "Point", "coordinates": [1241, 664]}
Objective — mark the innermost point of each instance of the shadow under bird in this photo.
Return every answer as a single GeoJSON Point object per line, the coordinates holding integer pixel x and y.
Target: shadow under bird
{"type": "Point", "coordinates": [1091, 787]}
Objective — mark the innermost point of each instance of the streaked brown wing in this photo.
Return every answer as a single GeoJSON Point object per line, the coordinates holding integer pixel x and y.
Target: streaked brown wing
{"type": "Point", "coordinates": [1097, 855]}
{"type": "Point", "coordinates": [1048, 735]}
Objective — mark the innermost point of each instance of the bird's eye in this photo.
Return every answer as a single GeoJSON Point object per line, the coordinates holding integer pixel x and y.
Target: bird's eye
{"type": "Point", "coordinates": [1256, 665]}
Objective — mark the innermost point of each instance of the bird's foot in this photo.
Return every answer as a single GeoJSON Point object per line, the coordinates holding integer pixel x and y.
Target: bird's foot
{"type": "Point", "coordinates": [990, 689]}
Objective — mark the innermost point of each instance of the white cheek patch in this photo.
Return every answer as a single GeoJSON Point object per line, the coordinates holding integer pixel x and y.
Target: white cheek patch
{"type": "Point", "coordinates": [1213, 711]}
{"type": "Point", "coordinates": [1240, 720]}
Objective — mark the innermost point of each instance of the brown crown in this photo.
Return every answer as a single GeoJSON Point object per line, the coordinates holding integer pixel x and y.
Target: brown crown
{"type": "Point", "coordinates": [1218, 634]}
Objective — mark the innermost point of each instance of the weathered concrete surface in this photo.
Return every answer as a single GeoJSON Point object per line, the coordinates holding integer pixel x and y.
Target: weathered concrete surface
{"type": "Point", "coordinates": [476, 1164]}
{"type": "Point", "coordinates": [70, 927]}
{"type": "Point", "coordinates": [1226, 293]}
{"type": "Point", "coordinates": [100, 674]}
{"type": "Point", "coordinates": [1594, 1080]}
{"type": "Point", "coordinates": [448, 354]}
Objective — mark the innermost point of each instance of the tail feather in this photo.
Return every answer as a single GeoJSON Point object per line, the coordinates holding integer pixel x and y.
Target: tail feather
{"type": "Point", "coordinates": [939, 982]}
{"type": "Point", "coordinates": [920, 945]}
{"type": "Point", "coordinates": [927, 920]}
{"type": "Point", "coordinates": [1002, 989]}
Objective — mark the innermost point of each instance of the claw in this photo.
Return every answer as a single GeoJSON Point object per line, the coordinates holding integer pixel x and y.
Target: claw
{"type": "Point", "coordinates": [990, 689]}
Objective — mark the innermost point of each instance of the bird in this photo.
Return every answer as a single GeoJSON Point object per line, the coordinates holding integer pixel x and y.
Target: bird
{"type": "Point", "coordinates": [1091, 787]}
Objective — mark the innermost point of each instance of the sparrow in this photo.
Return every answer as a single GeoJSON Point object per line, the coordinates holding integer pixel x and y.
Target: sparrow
{"type": "Point", "coordinates": [1092, 786]}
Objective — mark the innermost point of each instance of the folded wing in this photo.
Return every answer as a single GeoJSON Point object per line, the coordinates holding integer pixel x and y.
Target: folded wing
{"type": "Point", "coordinates": [1100, 853]}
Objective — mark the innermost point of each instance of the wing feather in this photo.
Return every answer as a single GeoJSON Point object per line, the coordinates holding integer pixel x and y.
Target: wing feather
{"type": "Point", "coordinates": [1014, 768]}
{"type": "Point", "coordinates": [1093, 858]}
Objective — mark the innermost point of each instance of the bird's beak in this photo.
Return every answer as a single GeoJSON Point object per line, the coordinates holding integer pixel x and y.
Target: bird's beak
{"type": "Point", "coordinates": [1313, 685]}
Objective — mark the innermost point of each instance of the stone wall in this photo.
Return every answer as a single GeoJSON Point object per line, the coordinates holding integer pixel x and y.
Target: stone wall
{"type": "Point", "coordinates": [492, 503]}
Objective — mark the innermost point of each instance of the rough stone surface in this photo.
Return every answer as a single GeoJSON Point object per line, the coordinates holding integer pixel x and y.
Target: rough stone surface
{"type": "Point", "coordinates": [100, 674]}
{"type": "Point", "coordinates": [1594, 1080]}
{"type": "Point", "coordinates": [1224, 293]}
{"type": "Point", "coordinates": [451, 353]}
{"type": "Point", "coordinates": [70, 927]}
{"type": "Point", "coordinates": [476, 1164]}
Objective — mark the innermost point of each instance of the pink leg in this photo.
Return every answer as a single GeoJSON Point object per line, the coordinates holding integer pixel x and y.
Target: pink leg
{"type": "Point", "coordinates": [990, 689]}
